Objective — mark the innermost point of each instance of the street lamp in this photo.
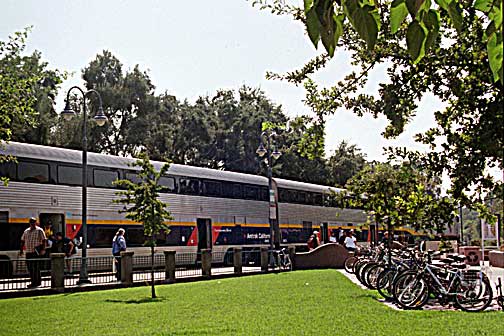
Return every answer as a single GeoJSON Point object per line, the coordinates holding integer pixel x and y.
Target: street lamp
{"type": "Point", "coordinates": [100, 120]}
{"type": "Point", "coordinates": [265, 148]}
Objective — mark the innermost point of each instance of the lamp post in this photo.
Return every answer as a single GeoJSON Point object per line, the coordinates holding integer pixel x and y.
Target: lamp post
{"type": "Point", "coordinates": [265, 148]}
{"type": "Point", "coordinates": [100, 120]}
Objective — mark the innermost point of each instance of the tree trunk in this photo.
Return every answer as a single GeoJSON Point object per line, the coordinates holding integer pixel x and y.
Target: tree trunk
{"type": "Point", "coordinates": [389, 242]}
{"type": "Point", "coordinates": [153, 289]}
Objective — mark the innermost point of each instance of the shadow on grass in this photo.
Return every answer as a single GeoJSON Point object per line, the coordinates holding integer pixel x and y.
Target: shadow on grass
{"type": "Point", "coordinates": [139, 301]}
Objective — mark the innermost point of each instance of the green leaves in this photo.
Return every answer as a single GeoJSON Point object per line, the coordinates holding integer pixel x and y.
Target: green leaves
{"type": "Point", "coordinates": [431, 21]}
{"type": "Point", "coordinates": [398, 12]}
{"type": "Point", "coordinates": [322, 23]}
{"type": "Point", "coordinates": [364, 17]}
{"type": "Point", "coordinates": [493, 35]}
{"type": "Point", "coordinates": [415, 39]}
{"type": "Point", "coordinates": [312, 22]}
{"type": "Point", "coordinates": [494, 48]}
{"type": "Point", "coordinates": [325, 23]}
{"type": "Point", "coordinates": [455, 13]}
{"type": "Point", "coordinates": [325, 18]}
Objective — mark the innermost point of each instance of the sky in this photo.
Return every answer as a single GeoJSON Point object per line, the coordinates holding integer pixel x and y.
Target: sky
{"type": "Point", "coordinates": [193, 48]}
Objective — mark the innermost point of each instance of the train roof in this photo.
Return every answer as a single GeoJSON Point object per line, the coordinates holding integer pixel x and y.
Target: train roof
{"type": "Point", "coordinates": [95, 159]}
{"type": "Point", "coordinates": [289, 184]}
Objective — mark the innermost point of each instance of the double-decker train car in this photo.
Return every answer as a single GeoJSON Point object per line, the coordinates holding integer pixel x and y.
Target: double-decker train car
{"type": "Point", "coordinates": [211, 208]}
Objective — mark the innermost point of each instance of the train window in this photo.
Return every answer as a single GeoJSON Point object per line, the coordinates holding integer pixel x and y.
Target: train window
{"type": "Point", "coordinates": [104, 178]}
{"type": "Point", "coordinates": [309, 198]}
{"type": "Point", "coordinates": [251, 192]}
{"type": "Point", "coordinates": [212, 188]}
{"type": "Point", "coordinates": [291, 196]}
{"type": "Point", "coordinates": [318, 199]}
{"type": "Point", "coordinates": [135, 236]}
{"type": "Point", "coordinates": [69, 175]}
{"type": "Point", "coordinates": [103, 236]}
{"type": "Point", "coordinates": [301, 197]}
{"type": "Point", "coordinates": [189, 186]}
{"type": "Point", "coordinates": [133, 177]}
{"type": "Point", "coordinates": [307, 225]}
{"type": "Point", "coordinates": [33, 172]}
{"type": "Point", "coordinates": [231, 190]}
{"type": "Point", "coordinates": [8, 169]}
{"type": "Point", "coordinates": [237, 191]}
{"type": "Point", "coordinates": [168, 184]}
{"type": "Point", "coordinates": [282, 195]}
{"type": "Point", "coordinates": [264, 194]}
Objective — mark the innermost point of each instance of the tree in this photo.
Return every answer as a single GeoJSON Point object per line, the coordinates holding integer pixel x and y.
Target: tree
{"type": "Point", "coordinates": [302, 157]}
{"type": "Point", "coordinates": [346, 161]}
{"type": "Point", "coordinates": [25, 86]}
{"type": "Point", "coordinates": [399, 195]}
{"type": "Point", "coordinates": [143, 203]}
{"type": "Point", "coordinates": [45, 120]}
{"type": "Point", "coordinates": [467, 139]}
{"type": "Point", "coordinates": [325, 21]}
{"type": "Point", "coordinates": [127, 98]}
{"type": "Point", "coordinates": [239, 126]}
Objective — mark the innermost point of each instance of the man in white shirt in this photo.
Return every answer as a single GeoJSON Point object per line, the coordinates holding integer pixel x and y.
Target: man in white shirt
{"type": "Point", "coordinates": [350, 241]}
{"type": "Point", "coordinates": [34, 241]}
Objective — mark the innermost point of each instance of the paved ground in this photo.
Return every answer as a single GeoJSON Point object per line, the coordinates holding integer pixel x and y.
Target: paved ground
{"type": "Point", "coordinates": [493, 273]}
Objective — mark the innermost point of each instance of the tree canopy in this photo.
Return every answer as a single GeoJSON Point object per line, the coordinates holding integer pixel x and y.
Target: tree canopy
{"type": "Point", "coordinates": [27, 89]}
{"type": "Point", "coordinates": [449, 42]}
{"type": "Point", "coordinates": [399, 195]}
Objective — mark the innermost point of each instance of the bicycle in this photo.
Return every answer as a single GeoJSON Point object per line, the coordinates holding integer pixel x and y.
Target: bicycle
{"type": "Point", "coordinates": [500, 296]}
{"type": "Point", "coordinates": [282, 259]}
{"type": "Point", "coordinates": [470, 290]}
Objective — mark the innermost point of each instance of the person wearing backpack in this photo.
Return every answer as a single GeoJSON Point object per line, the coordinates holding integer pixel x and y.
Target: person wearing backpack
{"type": "Point", "coordinates": [118, 245]}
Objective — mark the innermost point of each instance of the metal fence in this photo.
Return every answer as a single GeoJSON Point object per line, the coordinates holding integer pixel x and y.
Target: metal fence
{"type": "Point", "coordinates": [14, 274]}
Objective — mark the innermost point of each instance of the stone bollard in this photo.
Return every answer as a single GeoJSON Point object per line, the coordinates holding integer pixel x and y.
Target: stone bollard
{"type": "Point", "coordinates": [170, 266]}
{"type": "Point", "coordinates": [127, 268]}
{"type": "Point", "coordinates": [58, 271]}
{"type": "Point", "coordinates": [237, 260]}
{"type": "Point", "coordinates": [206, 263]}
{"type": "Point", "coordinates": [264, 259]}
{"type": "Point", "coordinates": [292, 256]}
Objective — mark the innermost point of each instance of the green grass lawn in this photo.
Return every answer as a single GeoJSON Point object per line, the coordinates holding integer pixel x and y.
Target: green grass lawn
{"type": "Point", "coordinates": [298, 303]}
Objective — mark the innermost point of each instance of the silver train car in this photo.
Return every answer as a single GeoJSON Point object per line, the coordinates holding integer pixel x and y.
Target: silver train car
{"type": "Point", "coordinates": [211, 208]}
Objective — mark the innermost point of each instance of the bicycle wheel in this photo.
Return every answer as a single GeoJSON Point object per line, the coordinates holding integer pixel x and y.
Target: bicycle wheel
{"type": "Point", "coordinates": [473, 293]}
{"type": "Point", "coordinates": [384, 283]}
{"type": "Point", "coordinates": [372, 275]}
{"type": "Point", "coordinates": [286, 262]}
{"type": "Point", "coordinates": [500, 297]}
{"type": "Point", "coordinates": [349, 264]}
{"type": "Point", "coordinates": [363, 272]}
{"type": "Point", "coordinates": [410, 290]}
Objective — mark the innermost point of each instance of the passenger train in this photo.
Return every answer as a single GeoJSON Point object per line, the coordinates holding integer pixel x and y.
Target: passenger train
{"type": "Point", "coordinates": [211, 208]}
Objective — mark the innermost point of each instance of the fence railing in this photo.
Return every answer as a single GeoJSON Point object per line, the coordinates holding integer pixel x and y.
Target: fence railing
{"type": "Point", "coordinates": [59, 272]}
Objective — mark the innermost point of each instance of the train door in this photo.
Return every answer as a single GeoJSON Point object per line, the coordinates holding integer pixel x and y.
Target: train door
{"type": "Point", "coordinates": [324, 231]}
{"type": "Point", "coordinates": [52, 222]}
{"type": "Point", "coordinates": [204, 233]}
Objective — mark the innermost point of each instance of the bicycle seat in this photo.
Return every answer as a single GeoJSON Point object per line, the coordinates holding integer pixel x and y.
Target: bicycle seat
{"type": "Point", "coordinates": [459, 257]}
{"type": "Point", "coordinates": [447, 260]}
{"type": "Point", "coordinates": [459, 265]}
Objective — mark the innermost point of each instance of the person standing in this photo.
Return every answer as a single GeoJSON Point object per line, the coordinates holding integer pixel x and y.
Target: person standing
{"type": "Point", "coordinates": [34, 241]}
{"type": "Point", "coordinates": [118, 245]}
{"type": "Point", "coordinates": [313, 241]}
{"type": "Point", "coordinates": [64, 245]}
{"type": "Point", "coordinates": [350, 241]}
